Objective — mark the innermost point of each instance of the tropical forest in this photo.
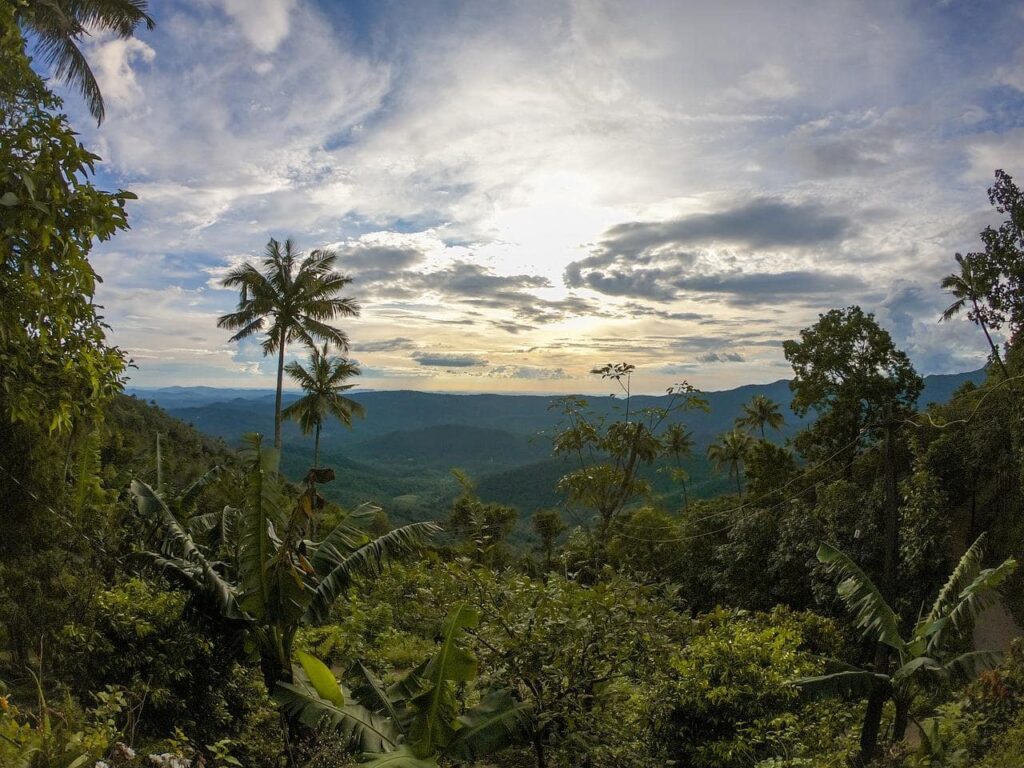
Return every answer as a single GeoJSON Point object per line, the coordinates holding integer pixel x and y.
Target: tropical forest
{"type": "Point", "coordinates": [351, 414]}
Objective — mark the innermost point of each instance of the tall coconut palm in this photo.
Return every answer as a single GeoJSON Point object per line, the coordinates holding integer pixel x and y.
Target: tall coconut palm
{"type": "Point", "coordinates": [969, 286]}
{"type": "Point", "coordinates": [731, 451]}
{"type": "Point", "coordinates": [678, 441]}
{"type": "Point", "coordinates": [291, 300]}
{"type": "Point", "coordinates": [323, 382]}
{"type": "Point", "coordinates": [59, 25]}
{"type": "Point", "coordinates": [759, 413]}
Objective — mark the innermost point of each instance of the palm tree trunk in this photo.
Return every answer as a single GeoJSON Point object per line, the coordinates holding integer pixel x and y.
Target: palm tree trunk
{"type": "Point", "coordinates": [686, 500]}
{"type": "Point", "coordinates": [277, 401]}
{"type": "Point", "coordinates": [991, 344]}
{"type": "Point", "coordinates": [739, 488]}
{"type": "Point", "coordinates": [316, 447]}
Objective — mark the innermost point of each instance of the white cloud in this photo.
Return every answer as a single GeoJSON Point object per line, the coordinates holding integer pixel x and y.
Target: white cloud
{"type": "Point", "coordinates": [265, 23]}
{"type": "Point", "coordinates": [514, 138]}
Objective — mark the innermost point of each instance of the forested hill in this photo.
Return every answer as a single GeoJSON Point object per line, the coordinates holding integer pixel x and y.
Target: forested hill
{"type": "Point", "coordinates": [401, 454]}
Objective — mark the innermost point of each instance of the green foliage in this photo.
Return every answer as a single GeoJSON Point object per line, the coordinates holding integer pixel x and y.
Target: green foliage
{"type": "Point", "coordinates": [55, 362]}
{"type": "Point", "coordinates": [726, 700]}
{"type": "Point", "coordinates": [848, 371]}
{"type": "Point", "coordinates": [484, 525]}
{"type": "Point", "coordinates": [610, 455]}
{"type": "Point", "coordinates": [731, 452]}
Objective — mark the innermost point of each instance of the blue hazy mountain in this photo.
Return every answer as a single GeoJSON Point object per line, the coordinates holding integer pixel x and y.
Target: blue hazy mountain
{"type": "Point", "coordinates": [401, 454]}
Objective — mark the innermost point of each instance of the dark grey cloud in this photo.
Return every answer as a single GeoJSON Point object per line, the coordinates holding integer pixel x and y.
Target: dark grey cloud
{"type": "Point", "coordinates": [761, 287]}
{"type": "Point", "coordinates": [761, 224]}
{"type": "Point", "coordinates": [720, 357]}
{"type": "Point", "coordinates": [386, 345]}
{"type": "Point", "coordinates": [636, 309]}
{"type": "Point", "coordinates": [448, 360]}
{"type": "Point", "coordinates": [376, 260]}
{"type": "Point", "coordinates": [656, 261]}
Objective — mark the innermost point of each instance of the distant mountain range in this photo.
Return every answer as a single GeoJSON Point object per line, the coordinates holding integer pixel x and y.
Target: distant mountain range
{"type": "Point", "coordinates": [401, 455]}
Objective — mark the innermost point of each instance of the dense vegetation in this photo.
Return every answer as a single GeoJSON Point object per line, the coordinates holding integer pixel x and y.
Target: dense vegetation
{"type": "Point", "coordinates": [168, 600]}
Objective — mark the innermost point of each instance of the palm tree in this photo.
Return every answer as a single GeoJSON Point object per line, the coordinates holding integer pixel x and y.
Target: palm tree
{"type": "Point", "coordinates": [323, 382]}
{"type": "Point", "coordinates": [731, 451]}
{"type": "Point", "coordinates": [969, 285]}
{"type": "Point", "coordinates": [760, 412]}
{"type": "Point", "coordinates": [291, 300]}
{"type": "Point", "coordinates": [932, 654]}
{"type": "Point", "coordinates": [678, 441]}
{"type": "Point", "coordinates": [59, 25]}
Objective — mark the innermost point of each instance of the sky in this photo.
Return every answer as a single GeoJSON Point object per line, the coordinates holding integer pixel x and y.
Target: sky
{"type": "Point", "coordinates": [523, 191]}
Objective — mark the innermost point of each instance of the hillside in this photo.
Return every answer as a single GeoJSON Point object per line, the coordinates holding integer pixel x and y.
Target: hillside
{"type": "Point", "coordinates": [401, 455]}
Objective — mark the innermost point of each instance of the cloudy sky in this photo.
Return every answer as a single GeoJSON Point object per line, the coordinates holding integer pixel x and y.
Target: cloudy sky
{"type": "Point", "coordinates": [522, 191]}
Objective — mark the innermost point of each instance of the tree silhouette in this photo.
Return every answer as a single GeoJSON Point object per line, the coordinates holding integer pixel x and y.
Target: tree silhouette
{"type": "Point", "coordinates": [971, 285]}
{"type": "Point", "coordinates": [678, 441]}
{"type": "Point", "coordinates": [323, 382]}
{"type": "Point", "coordinates": [730, 451]}
{"type": "Point", "coordinates": [58, 27]}
{"type": "Point", "coordinates": [759, 413]}
{"type": "Point", "coordinates": [291, 300]}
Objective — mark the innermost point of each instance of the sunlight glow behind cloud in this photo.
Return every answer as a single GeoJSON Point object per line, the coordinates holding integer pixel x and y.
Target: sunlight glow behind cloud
{"type": "Point", "coordinates": [527, 190]}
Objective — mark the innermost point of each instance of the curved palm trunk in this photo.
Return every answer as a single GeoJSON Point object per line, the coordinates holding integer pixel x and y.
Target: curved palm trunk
{"type": "Point", "coordinates": [277, 401]}
{"type": "Point", "coordinates": [316, 447]}
{"type": "Point", "coordinates": [991, 344]}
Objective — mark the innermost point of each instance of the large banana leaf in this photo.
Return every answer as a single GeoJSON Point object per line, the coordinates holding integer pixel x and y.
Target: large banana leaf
{"type": "Point", "coordinates": [322, 679]}
{"type": "Point", "coordinates": [188, 497]}
{"type": "Point", "coordinates": [216, 589]}
{"type": "Point", "coordinates": [433, 727]}
{"type": "Point", "coordinates": [383, 702]}
{"type": "Point", "coordinates": [497, 722]}
{"type": "Point", "coordinates": [360, 728]}
{"type": "Point", "coordinates": [972, 600]}
{"type": "Point", "coordinates": [403, 757]}
{"type": "Point", "coordinates": [264, 509]}
{"type": "Point", "coordinates": [967, 666]}
{"type": "Point", "coordinates": [344, 539]}
{"type": "Point", "coordinates": [852, 682]}
{"type": "Point", "coordinates": [965, 572]}
{"type": "Point", "coordinates": [862, 597]}
{"type": "Point", "coordinates": [366, 559]}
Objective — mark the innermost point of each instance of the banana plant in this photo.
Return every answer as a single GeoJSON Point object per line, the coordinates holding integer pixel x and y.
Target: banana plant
{"type": "Point", "coordinates": [416, 721]}
{"type": "Point", "coordinates": [272, 579]}
{"type": "Point", "coordinates": [931, 654]}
